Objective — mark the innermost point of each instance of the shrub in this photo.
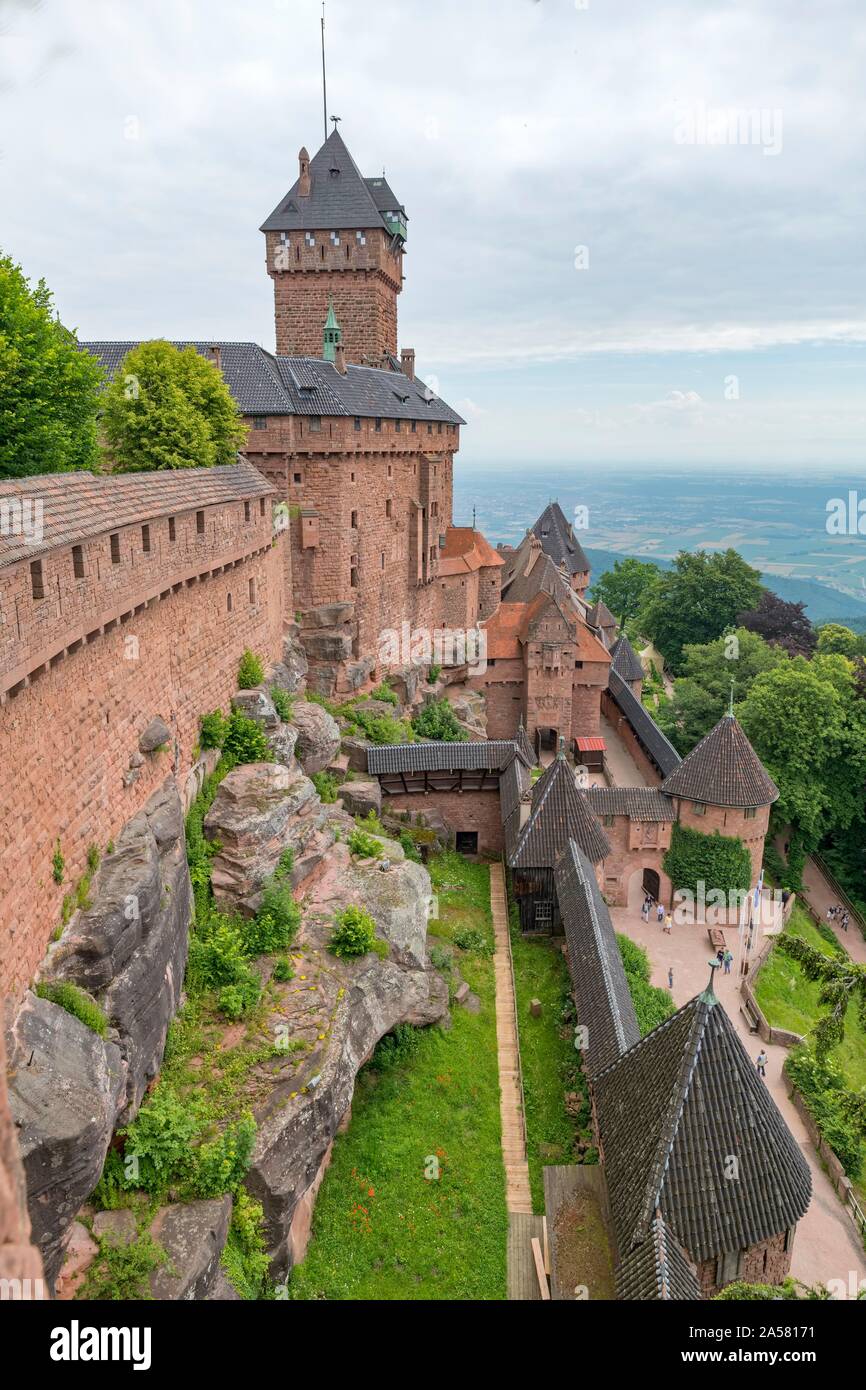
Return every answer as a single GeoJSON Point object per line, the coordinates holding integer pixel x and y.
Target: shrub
{"type": "Point", "coordinates": [384, 692]}
{"type": "Point", "coordinates": [244, 741]}
{"type": "Point", "coordinates": [438, 721]}
{"type": "Point", "coordinates": [76, 1002]}
{"type": "Point", "coordinates": [832, 1106]}
{"type": "Point", "coordinates": [219, 1166]}
{"type": "Point", "coordinates": [354, 933]}
{"type": "Point", "coordinates": [371, 823]}
{"type": "Point", "coordinates": [395, 1048]}
{"type": "Point", "coordinates": [381, 728]}
{"type": "Point", "coordinates": [233, 1001]}
{"type": "Point", "coordinates": [92, 858]}
{"type": "Point", "coordinates": [58, 864]}
{"type": "Point", "coordinates": [441, 959]}
{"type": "Point", "coordinates": [273, 930]}
{"type": "Point", "coordinates": [434, 673]}
{"type": "Point", "coordinates": [122, 1272]}
{"type": "Point", "coordinates": [214, 727]}
{"type": "Point", "coordinates": [326, 785]}
{"type": "Point", "coordinates": [159, 1138]}
{"type": "Point", "coordinates": [721, 862]}
{"type": "Point", "coordinates": [652, 1004]}
{"type": "Point", "coordinates": [282, 703]}
{"type": "Point", "coordinates": [635, 960]}
{"type": "Point", "coordinates": [472, 939]}
{"type": "Point", "coordinates": [245, 1257]}
{"type": "Point", "coordinates": [283, 970]}
{"type": "Point", "coordinates": [363, 846]}
{"type": "Point", "coordinates": [251, 672]}
{"type": "Point", "coordinates": [409, 847]}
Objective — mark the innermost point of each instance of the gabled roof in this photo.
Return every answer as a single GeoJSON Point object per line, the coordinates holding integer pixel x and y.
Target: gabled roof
{"type": "Point", "coordinates": [262, 383]}
{"type": "Point", "coordinates": [76, 506]}
{"type": "Point", "coordinates": [625, 661]}
{"type": "Point", "coordinates": [724, 770]}
{"type": "Point", "coordinates": [559, 541]}
{"type": "Point", "coordinates": [601, 993]}
{"type": "Point", "coordinates": [638, 803]}
{"type": "Point", "coordinates": [673, 1113]}
{"type": "Point", "coordinates": [524, 747]}
{"type": "Point", "coordinates": [657, 1269]}
{"type": "Point", "coordinates": [660, 749]}
{"type": "Point", "coordinates": [559, 813]}
{"type": "Point", "coordinates": [441, 756]}
{"type": "Point", "coordinates": [601, 616]}
{"type": "Point", "coordinates": [465, 551]}
{"type": "Point", "coordinates": [340, 198]}
{"type": "Point", "coordinates": [514, 785]}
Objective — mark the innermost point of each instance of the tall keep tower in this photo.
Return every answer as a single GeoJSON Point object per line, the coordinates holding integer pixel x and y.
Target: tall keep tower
{"type": "Point", "coordinates": [338, 238]}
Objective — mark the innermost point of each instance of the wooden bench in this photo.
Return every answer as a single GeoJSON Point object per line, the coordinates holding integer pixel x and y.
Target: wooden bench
{"type": "Point", "coordinates": [717, 938]}
{"type": "Point", "coordinates": [749, 1015]}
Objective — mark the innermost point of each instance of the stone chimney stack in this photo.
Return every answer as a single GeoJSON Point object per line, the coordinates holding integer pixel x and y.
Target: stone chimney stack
{"type": "Point", "coordinates": [340, 359]}
{"type": "Point", "coordinates": [216, 356]}
{"type": "Point", "coordinates": [525, 809]}
{"type": "Point", "coordinates": [304, 173]}
{"type": "Point", "coordinates": [407, 362]}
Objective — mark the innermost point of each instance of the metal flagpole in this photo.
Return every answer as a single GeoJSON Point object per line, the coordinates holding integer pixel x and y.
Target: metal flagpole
{"type": "Point", "coordinates": [324, 81]}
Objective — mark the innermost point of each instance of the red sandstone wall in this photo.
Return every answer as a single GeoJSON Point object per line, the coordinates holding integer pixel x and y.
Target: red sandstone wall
{"type": "Point", "coordinates": [768, 1262]}
{"type": "Point", "coordinates": [363, 280]}
{"type": "Point", "coordinates": [503, 688]}
{"type": "Point", "coordinates": [66, 741]}
{"type": "Point", "coordinates": [462, 810]}
{"type": "Point", "coordinates": [632, 851]}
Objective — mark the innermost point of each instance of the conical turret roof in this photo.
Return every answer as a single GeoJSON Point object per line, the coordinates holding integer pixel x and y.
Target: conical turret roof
{"type": "Point", "coordinates": [559, 813]}
{"type": "Point", "coordinates": [723, 770]}
{"type": "Point", "coordinates": [625, 660]}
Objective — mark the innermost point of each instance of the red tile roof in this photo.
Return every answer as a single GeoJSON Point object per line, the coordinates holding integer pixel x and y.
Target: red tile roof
{"type": "Point", "coordinates": [466, 550]}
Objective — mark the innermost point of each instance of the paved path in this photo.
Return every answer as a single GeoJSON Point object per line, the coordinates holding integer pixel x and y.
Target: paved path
{"type": "Point", "coordinates": [517, 1194]}
{"type": "Point", "coordinates": [820, 895]}
{"type": "Point", "coordinates": [618, 760]}
{"type": "Point", "coordinates": [826, 1245]}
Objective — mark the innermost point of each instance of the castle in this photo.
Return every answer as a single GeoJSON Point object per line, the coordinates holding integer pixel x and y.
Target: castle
{"type": "Point", "coordinates": [124, 622]}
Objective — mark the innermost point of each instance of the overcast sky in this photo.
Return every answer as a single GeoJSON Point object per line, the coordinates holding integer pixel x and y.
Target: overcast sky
{"type": "Point", "coordinates": [636, 229]}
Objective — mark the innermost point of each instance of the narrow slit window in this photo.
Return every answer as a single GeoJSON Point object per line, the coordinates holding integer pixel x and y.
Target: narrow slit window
{"type": "Point", "coordinates": [78, 562]}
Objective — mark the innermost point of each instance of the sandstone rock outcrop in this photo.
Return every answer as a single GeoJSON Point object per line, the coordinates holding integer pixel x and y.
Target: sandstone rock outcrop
{"type": "Point", "coordinates": [340, 1009]}
{"type": "Point", "coordinates": [129, 948]}
{"type": "Point", "coordinates": [260, 810]}
{"type": "Point", "coordinates": [318, 736]}
{"type": "Point", "coordinates": [359, 798]}
{"type": "Point", "coordinates": [192, 1234]}
{"type": "Point", "coordinates": [66, 1089]}
{"type": "Point", "coordinates": [155, 735]}
{"type": "Point", "coordinates": [19, 1259]}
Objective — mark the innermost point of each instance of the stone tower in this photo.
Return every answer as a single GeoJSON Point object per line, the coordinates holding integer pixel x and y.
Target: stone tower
{"type": "Point", "coordinates": [336, 238]}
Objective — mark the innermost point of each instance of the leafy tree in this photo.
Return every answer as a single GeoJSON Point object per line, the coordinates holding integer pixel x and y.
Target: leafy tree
{"type": "Point", "coordinates": [784, 624]}
{"type": "Point", "coordinates": [49, 388]}
{"type": "Point", "coordinates": [701, 694]}
{"type": "Point", "coordinates": [835, 639]}
{"type": "Point", "coordinates": [697, 600]}
{"type": "Point", "coordinates": [842, 980]}
{"type": "Point", "coordinates": [624, 587]}
{"type": "Point", "coordinates": [808, 728]}
{"type": "Point", "coordinates": [167, 408]}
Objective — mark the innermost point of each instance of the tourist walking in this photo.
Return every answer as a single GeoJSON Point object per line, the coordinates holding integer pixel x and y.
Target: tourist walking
{"type": "Point", "coordinates": [660, 914]}
{"type": "Point", "coordinates": [669, 921]}
{"type": "Point", "coordinates": [670, 977]}
{"type": "Point", "coordinates": [846, 918]}
{"type": "Point", "coordinates": [728, 960]}
{"type": "Point", "coordinates": [761, 1063]}
{"type": "Point", "coordinates": [720, 955]}
{"type": "Point", "coordinates": [644, 912]}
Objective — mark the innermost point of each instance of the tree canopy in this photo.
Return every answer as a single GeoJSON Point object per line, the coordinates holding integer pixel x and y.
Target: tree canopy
{"type": "Point", "coordinates": [49, 389]}
{"type": "Point", "coordinates": [169, 408]}
{"type": "Point", "coordinates": [836, 639]}
{"type": "Point", "coordinates": [702, 692]}
{"type": "Point", "coordinates": [697, 600]}
{"type": "Point", "coordinates": [782, 623]}
{"type": "Point", "coordinates": [623, 588]}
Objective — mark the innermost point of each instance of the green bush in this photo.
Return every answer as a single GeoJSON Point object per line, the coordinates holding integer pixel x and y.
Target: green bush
{"type": "Point", "coordinates": [58, 864]}
{"type": "Point", "coordinates": [251, 672]}
{"type": "Point", "coordinates": [244, 740]}
{"type": "Point", "coordinates": [219, 1166]}
{"type": "Point", "coordinates": [327, 786]}
{"type": "Point", "coordinates": [76, 1002]}
{"type": "Point", "coordinates": [652, 1004]}
{"type": "Point", "coordinates": [409, 847]}
{"type": "Point", "coordinates": [122, 1271]}
{"type": "Point", "coordinates": [283, 970]}
{"type": "Point", "coordinates": [273, 929]}
{"type": "Point", "coordinates": [434, 673]}
{"type": "Point", "coordinates": [160, 1139]}
{"type": "Point", "coordinates": [721, 862]}
{"type": "Point", "coordinates": [395, 1048]}
{"type": "Point", "coordinates": [381, 728]}
{"type": "Point", "coordinates": [832, 1106]}
{"type": "Point", "coordinates": [245, 1257]}
{"type": "Point", "coordinates": [233, 1001]}
{"type": "Point", "coordinates": [472, 939]}
{"type": "Point", "coordinates": [384, 692]}
{"type": "Point", "coordinates": [635, 960]}
{"type": "Point", "coordinates": [438, 721]}
{"type": "Point", "coordinates": [282, 703]}
{"type": "Point", "coordinates": [364, 846]}
{"type": "Point", "coordinates": [441, 959]}
{"type": "Point", "coordinates": [214, 727]}
{"type": "Point", "coordinates": [354, 933]}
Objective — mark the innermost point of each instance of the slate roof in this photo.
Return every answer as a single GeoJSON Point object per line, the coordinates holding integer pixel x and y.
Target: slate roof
{"type": "Point", "coordinates": [524, 747]}
{"type": "Point", "coordinates": [723, 769]}
{"type": "Point", "coordinates": [638, 803]}
{"type": "Point", "coordinates": [657, 1269]}
{"type": "Point", "coordinates": [601, 616]}
{"type": "Point", "coordinates": [338, 201]}
{"type": "Point", "coordinates": [76, 506]}
{"type": "Point", "coordinates": [601, 993]}
{"type": "Point", "coordinates": [559, 813]}
{"type": "Point", "coordinates": [558, 539]}
{"type": "Point", "coordinates": [661, 749]}
{"type": "Point", "coordinates": [514, 784]}
{"type": "Point", "coordinates": [625, 661]}
{"type": "Point", "coordinates": [440, 756]}
{"type": "Point", "coordinates": [262, 383]}
{"type": "Point", "coordinates": [672, 1113]}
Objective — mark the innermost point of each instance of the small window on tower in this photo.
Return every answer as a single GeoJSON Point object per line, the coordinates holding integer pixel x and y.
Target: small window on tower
{"type": "Point", "coordinates": [354, 521]}
{"type": "Point", "coordinates": [296, 477]}
{"type": "Point", "coordinates": [247, 512]}
{"type": "Point", "coordinates": [37, 587]}
{"type": "Point", "coordinates": [315, 423]}
{"type": "Point", "coordinates": [172, 530]}
{"type": "Point", "coordinates": [260, 422]}
{"type": "Point", "coordinates": [145, 539]}
{"type": "Point", "coordinates": [398, 425]}
{"type": "Point", "coordinates": [378, 425]}
{"type": "Point", "coordinates": [414, 427]}
{"type": "Point", "coordinates": [199, 523]}
{"type": "Point", "coordinates": [114, 539]}
{"type": "Point", "coordinates": [389, 507]}
{"type": "Point", "coordinates": [262, 507]}
{"type": "Point", "coordinates": [78, 562]}
{"type": "Point", "coordinates": [357, 417]}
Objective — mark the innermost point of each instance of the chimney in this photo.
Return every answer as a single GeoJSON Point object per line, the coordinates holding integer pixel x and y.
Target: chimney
{"type": "Point", "coordinates": [304, 173]}
{"type": "Point", "coordinates": [525, 808]}
{"type": "Point", "coordinates": [216, 356]}
{"type": "Point", "coordinates": [407, 362]}
{"type": "Point", "coordinates": [340, 359]}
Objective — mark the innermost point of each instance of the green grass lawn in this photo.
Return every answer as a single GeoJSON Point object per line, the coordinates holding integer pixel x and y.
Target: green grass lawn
{"type": "Point", "coordinates": [548, 1060]}
{"type": "Point", "coordinates": [381, 1230]}
{"type": "Point", "coordinates": [790, 1001]}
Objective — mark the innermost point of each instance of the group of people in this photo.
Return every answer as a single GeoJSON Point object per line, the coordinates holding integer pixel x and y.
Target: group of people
{"type": "Point", "coordinates": [664, 919]}
{"type": "Point", "coordinates": [839, 914]}
{"type": "Point", "coordinates": [725, 958]}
